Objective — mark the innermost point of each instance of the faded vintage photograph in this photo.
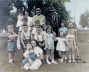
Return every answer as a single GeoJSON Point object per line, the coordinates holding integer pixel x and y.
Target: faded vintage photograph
{"type": "Point", "coordinates": [44, 36]}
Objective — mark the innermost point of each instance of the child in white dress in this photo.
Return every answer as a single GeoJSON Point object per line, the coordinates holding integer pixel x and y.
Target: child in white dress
{"type": "Point", "coordinates": [61, 45]}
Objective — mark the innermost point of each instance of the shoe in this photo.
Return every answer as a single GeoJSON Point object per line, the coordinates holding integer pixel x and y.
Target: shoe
{"type": "Point", "coordinates": [61, 60]}
{"type": "Point", "coordinates": [69, 61]}
{"type": "Point", "coordinates": [65, 58]}
{"type": "Point", "coordinates": [73, 61]}
{"type": "Point", "coordinates": [54, 62]}
{"type": "Point", "coordinates": [48, 62]}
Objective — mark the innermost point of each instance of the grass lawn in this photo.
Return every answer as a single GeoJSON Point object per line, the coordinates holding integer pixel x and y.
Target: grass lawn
{"type": "Point", "coordinates": [60, 67]}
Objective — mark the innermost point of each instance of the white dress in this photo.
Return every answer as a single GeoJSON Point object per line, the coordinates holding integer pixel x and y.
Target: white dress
{"type": "Point", "coordinates": [60, 45]}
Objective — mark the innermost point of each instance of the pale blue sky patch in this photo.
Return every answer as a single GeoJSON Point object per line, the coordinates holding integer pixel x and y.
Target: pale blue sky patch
{"type": "Point", "coordinates": [76, 8]}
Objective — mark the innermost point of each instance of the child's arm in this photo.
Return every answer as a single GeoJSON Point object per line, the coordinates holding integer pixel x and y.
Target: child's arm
{"type": "Point", "coordinates": [39, 56]}
{"type": "Point", "coordinates": [41, 44]}
{"type": "Point", "coordinates": [10, 37]}
{"type": "Point", "coordinates": [23, 43]}
{"type": "Point", "coordinates": [45, 41]}
{"type": "Point", "coordinates": [74, 43]}
{"type": "Point", "coordinates": [27, 56]}
{"type": "Point", "coordinates": [15, 35]}
{"type": "Point", "coordinates": [67, 41]}
{"type": "Point", "coordinates": [55, 39]}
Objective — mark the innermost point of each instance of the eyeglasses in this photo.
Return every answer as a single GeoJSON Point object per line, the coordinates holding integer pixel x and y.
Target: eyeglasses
{"type": "Point", "coordinates": [38, 10]}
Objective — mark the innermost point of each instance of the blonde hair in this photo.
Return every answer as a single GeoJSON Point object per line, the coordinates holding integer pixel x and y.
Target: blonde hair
{"type": "Point", "coordinates": [9, 26]}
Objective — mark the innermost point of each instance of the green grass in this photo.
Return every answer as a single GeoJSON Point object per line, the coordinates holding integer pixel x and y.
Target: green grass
{"type": "Point", "coordinates": [60, 67]}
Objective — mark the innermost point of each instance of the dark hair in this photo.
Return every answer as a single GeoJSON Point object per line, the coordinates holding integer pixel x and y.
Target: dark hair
{"type": "Point", "coordinates": [60, 32]}
{"type": "Point", "coordinates": [20, 11]}
{"type": "Point", "coordinates": [64, 23]}
{"type": "Point", "coordinates": [37, 21]}
{"type": "Point", "coordinates": [35, 41]}
{"type": "Point", "coordinates": [38, 7]}
{"type": "Point", "coordinates": [49, 27]}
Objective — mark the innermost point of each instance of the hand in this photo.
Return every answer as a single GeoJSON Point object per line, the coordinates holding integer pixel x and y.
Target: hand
{"type": "Point", "coordinates": [41, 44]}
{"type": "Point", "coordinates": [46, 47]}
{"type": "Point", "coordinates": [69, 46]}
{"type": "Point", "coordinates": [75, 47]}
{"type": "Point", "coordinates": [25, 47]}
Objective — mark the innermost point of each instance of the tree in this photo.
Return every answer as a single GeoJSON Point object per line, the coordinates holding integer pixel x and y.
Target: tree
{"type": "Point", "coordinates": [84, 19]}
{"type": "Point", "coordinates": [5, 7]}
{"type": "Point", "coordinates": [4, 11]}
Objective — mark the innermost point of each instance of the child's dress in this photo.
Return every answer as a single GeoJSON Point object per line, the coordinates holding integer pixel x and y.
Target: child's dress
{"type": "Point", "coordinates": [60, 45]}
{"type": "Point", "coordinates": [50, 41]}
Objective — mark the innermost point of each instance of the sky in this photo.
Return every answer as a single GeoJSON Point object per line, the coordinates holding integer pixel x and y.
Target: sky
{"type": "Point", "coordinates": [76, 8]}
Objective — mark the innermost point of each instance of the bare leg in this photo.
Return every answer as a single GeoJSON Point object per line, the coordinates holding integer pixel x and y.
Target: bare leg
{"type": "Point", "coordinates": [60, 54]}
{"type": "Point", "coordinates": [73, 54]}
{"type": "Point", "coordinates": [52, 53]}
{"type": "Point", "coordinates": [63, 56]}
{"type": "Point", "coordinates": [47, 59]}
{"type": "Point", "coordinates": [10, 56]}
{"type": "Point", "coordinates": [13, 54]}
{"type": "Point", "coordinates": [69, 56]}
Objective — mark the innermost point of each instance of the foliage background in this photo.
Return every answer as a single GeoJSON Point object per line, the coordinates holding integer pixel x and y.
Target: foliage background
{"type": "Point", "coordinates": [7, 18]}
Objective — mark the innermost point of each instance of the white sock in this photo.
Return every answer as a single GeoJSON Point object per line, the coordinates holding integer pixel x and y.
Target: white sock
{"type": "Point", "coordinates": [10, 61]}
{"type": "Point", "coordinates": [52, 59]}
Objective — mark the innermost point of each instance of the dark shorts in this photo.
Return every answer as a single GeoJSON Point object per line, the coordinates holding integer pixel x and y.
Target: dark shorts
{"type": "Point", "coordinates": [42, 47]}
{"type": "Point", "coordinates": [11, 46]}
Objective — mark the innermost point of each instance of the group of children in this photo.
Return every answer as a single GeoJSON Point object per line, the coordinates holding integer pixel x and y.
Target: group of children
{"type": "Point", "coordinates": [37, 43]}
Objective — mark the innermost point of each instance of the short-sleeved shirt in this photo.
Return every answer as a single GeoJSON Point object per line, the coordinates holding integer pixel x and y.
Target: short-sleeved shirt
{"type": "Point", "coordinates": [34, 31]}
{"type": "Point", "coordinates": [39, 37]}
{"type": "Point", "coordinates": [38, 50]}
{"type": "Point", "coordinates": [64, 29]}
{"type": "Point", "coordinates": [41, 18]}
{"type": "Point", "coordinates": [29, 21]}
{"type": "Point", "coordinates": [25, 35]}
